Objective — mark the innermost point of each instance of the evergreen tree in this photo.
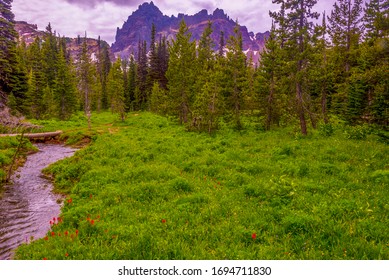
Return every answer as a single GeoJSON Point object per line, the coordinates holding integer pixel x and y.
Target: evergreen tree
{"type": "Point", "coordinates": [36, 80]}
{"type": "Point", "coordinates": [115, 87]}
{"type": "Point", "coordinates": [103, 67]}
{"type": "Point", "coordinates": [142, 72]}
{"type": "Point", "coordinates": [180, 73]}
{"type": "Point", "coordinates": [221, 44]}
{"type": "Point", "coordinates": [270, 63]}
{"type": "Point", "coordinates": [296, 25]}
{"type": "Point", "coordinates": [153, 74]}
{"type": "Point", "coordinates": [158, 100]}
{"type": "Point", "coordinates": [8, 37]}
{"type": "Point", "coordinates": [130, 96]}
{"type": "Point", "coordinates": [345, 29]}
{"type": "Point", "coordinates": [87, 79]}
{"type": "Point", "coordinates": [206, 103]}
{"type": "Point", "coordinates": [236, 70]}
{"type": "Point", "coordinates": [373, 20]}
{"type": "Point", "coordinates": [19, 81]}
{"type": "Point", "coordinates": [163, 62]}
{"type": "Point", "coordinates": [64, 88]}
{"type": "Point", "coordinates": [49, 56]}
{"type": "Point", "coordinates": [49, 105]}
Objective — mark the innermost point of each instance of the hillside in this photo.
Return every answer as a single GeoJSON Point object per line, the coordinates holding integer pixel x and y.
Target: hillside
{"type": "Point", "coordinates": [28, 32]}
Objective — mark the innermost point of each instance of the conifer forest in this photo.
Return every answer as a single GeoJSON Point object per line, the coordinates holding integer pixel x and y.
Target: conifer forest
{"type": "Point", "coordinates": [191, 151]}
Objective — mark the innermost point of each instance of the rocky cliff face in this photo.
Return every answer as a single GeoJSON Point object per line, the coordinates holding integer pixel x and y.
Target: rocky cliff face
{"type": "Point", "coordinates": [29, 32]}
{"type": "Point", "coordinates": [138, 28]}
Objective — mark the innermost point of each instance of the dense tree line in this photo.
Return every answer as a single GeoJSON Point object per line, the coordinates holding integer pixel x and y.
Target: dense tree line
{"type": "Point", "coordinates": [310, 70]}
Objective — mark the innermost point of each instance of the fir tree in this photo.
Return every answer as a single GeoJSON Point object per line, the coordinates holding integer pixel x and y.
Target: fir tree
{"type": "Point", "coordinates": [64, 89]}
{"type": "Point", "coordinates": [206, 104]}
{"type": "Point", "coordinates": [142, 72]}
{"type": "Point", "coordinates": [49, 56]}
{"type": "Point", "coordinates": [19, 81]}
{"type": "Point", "coordinates": [36, 80]}
{"type": "Point", "coordinates": [268, 78]}
{"type": "Point", "coordinates": [345, 29]}
{"type": "Point", "coordinates": [221, 44]}
{"type": "Point", "coordinates": [181, 72]}
{"type": "Point", "coordinates": [163, 62]}
{"type": "Point", "coordinates": [103, 67]}
{"type": "Point", "coordinates": [115, 87]}
{"type": "Point", "coordinates": [130, 96]}
{"type": "Point", "coordinates": [153, 73]}
{"type": "Point", "coordinates": [296, 25]}
{"type": "Point", "coordinates": [236, 70]}
{"type": "Point", "coordinates": [8, 37]}
{"type": "Point", "coordinates": [86, 76]}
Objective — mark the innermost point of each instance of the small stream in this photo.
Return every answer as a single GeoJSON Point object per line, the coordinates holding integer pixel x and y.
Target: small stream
{"type": "Point", "coordinates": [28, 205]}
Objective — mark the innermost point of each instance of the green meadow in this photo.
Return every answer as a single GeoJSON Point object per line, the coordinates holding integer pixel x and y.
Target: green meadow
{"type": "Point", "coordinates": [146, 188]}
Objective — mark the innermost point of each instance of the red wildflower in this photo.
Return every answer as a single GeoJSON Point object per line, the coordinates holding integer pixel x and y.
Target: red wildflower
{"type": "Point", "coordinates": [45, 259]}
{"type": "Point", "coordinates": [163, 221]}
{"type": "Point", "coordinates": [59, 219]}
{"type": "Point", "coordinates": [66, 255]}
{"type": "Point", "coordinates": [54, 219]}
{"type": "Point", "coordinates": [254, 236]}
{"type": "Point", "coordinates": [90, 196]}
{"type": "Point", "coordinates": [59, 234]}
{"type": "Point", "coordinates": [98, 216]}
{"type": "Point", "coordinates": [46, 238]}
{"type": "Point", "coordinates": [51, 222]}
{"type": "Point", "coordinates": [66, 232]}
{"type": "Point", "coordinates": [70, 200]}
{"type": "Point", "coordinates": [52, 233]}
{"type": "Point", "coordinates": [92, 222]}
{"type": "Point", "coordinates": [76, 231]}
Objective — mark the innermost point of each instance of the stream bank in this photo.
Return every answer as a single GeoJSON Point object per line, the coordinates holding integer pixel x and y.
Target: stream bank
{"type": "Point", "coordinates": [28, 205]}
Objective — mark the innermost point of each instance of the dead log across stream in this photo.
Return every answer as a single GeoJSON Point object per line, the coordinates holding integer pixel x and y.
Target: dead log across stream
{"type": "Point", "coordinates": [36, 135]}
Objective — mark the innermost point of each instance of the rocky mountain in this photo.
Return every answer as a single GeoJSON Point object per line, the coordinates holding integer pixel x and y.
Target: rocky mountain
{"type": "Point", "coordinates": [28, 32]}
{"type": "Point", "coordinates": [138, 27]}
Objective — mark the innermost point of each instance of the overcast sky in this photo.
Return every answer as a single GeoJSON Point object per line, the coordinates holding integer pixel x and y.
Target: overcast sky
{"type": "Point", "coordinates": [102, 17]}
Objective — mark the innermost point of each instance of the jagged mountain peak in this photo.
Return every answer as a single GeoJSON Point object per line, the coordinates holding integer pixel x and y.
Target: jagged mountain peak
{"type": "Point", "coordinates": [138, 28]}
{"type": "Point", "coordinates": [148, 9]}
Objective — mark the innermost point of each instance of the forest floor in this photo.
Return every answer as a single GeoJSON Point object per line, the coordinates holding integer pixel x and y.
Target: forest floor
{"type": "Point", "coordinates": [146, 188]}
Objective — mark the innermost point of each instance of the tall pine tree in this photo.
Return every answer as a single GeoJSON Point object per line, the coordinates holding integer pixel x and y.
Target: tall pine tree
{"type": "Point", "coordinates": [8, 37]}
{"type": "Point", "coordinates": [180, 73]}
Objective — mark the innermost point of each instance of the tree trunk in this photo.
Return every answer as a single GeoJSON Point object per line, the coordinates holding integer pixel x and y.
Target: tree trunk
{"type": "Point", "coordinates": [270, 101]}
{"type": "Point", "coordinates": [300, 108]}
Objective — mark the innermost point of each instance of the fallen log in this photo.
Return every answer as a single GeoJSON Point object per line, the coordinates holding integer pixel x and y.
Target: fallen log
{"type": "Point", "coordinates": [36, 135]}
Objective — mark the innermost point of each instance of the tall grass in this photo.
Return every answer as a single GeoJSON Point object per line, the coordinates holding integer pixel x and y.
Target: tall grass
{"type": "Point", "coordinates": [147, 189]}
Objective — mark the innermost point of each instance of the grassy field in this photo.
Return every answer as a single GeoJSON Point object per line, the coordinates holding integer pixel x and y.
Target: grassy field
{"type": "Point", "coordinates": [147, 189]}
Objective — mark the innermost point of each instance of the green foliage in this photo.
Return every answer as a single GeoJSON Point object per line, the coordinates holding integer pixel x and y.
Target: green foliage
{"type": "Point", "coordinates": [181, 74]}
{"type": "Point", "coordinates": [155, 191]}
{"type": "Point", "coordinates": [358, 132]}
{"type": "Point", "coordinates": [115, 88]}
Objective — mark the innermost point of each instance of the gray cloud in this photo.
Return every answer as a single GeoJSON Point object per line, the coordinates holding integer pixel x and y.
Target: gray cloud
{"type": "Point", "coordinates": [102, 17]}
{"type": "Point", "coordinates": [93, 3]}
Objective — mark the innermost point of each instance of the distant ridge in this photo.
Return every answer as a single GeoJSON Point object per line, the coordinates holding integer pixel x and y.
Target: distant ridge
{"type": "Point", "coordinates": [138, 27]}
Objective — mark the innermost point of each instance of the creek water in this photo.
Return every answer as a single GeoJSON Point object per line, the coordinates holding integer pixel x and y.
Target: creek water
{"type": "Point", "coordinates": [28, 205]}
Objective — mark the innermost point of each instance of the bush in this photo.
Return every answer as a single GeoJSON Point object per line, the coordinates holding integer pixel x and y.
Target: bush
{"type": "Point", "coordinates": [359, 132]}
{"type": "Point", "coordinates": [326, 129]}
